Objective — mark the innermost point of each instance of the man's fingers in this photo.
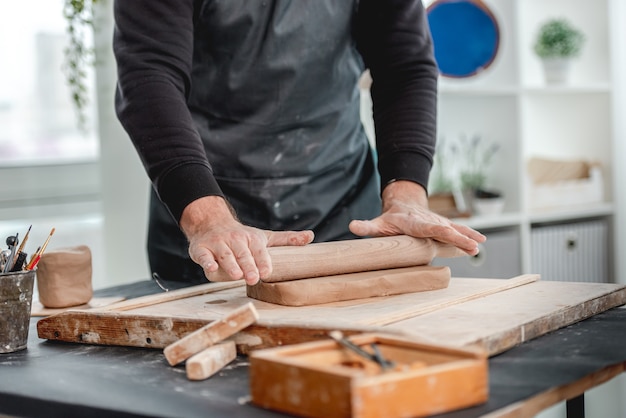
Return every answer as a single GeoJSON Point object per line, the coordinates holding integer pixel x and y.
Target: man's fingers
{"type": "Point", "coordinates": [363, 228]}
{"type": "Point", "coordinates": [262, 260]}
{"type": "Point", "coordinates": [243, 254]}
{"type": "Point", "coordinates": [470, 233]}
{"type": "Point", "coordinates": [205, 260]}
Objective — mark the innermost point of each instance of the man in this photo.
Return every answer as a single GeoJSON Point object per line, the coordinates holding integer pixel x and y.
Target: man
{"type": "Point", "coordinates": [245, 114]}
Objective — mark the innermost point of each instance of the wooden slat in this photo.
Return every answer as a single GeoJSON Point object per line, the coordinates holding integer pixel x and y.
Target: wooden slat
{"type": "Point", "coordinates": [210, 360]}
{"type": "Point", "coordinates": [211, 334]}
{"type": "Point", "coordinates": [37, 309]}
{"type": "Point", "coordinates": [177, 294]}
{"type": "Point", "coordinates": [503, 320]}
{"type": "Point", "coordinates": [502, 286]}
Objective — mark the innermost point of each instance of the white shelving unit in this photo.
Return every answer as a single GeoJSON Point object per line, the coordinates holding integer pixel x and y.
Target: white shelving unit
{"type": "Point", "coordinates": [510, 104]}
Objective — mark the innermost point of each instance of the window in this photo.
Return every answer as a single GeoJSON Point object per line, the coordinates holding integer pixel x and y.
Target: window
{"type": "Point", "coordinates": [38, 120]}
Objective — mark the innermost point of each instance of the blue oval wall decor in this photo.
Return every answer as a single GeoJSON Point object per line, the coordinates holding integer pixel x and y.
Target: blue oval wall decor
{"type": "Point", "coordinates": [465, 34]}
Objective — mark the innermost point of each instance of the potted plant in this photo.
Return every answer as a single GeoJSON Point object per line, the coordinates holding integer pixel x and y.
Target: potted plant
{"type": "Point", "coordinates": [557, 43]}
{"type": "Point", "coordinates": [477, 155]}
{"type": "Point", "coordinates": [458, 183]}
{"type": "Point", "coordinates": [78, 56]}
{"type": "Point", "coordinates": [443, 193]}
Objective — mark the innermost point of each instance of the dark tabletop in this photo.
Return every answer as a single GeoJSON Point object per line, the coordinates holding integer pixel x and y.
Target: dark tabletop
{"type": "Point", "coordinates": [56, 379]}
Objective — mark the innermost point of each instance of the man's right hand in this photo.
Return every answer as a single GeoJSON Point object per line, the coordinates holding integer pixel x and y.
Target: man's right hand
{"type": "Point", "coordinates": [218, 240]}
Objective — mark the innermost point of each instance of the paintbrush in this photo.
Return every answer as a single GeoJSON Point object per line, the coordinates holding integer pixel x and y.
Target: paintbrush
{"type": "Point", "coordinates": [33, 262]}
{"type": "Point", "coordinates": [16, 266]}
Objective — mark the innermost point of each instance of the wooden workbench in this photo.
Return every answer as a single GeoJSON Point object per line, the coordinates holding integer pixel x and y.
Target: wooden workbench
{"type": "Point", "coordinates": [76, 380]}
{"type": "Point", "coordinates": [495, 314]}
{"type": "Point", "coordinates": [66, 380]}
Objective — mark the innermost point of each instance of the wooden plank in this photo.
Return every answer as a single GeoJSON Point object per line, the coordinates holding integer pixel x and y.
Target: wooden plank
{"type": "Point", "coordinates": [211, 334]}
{"type": "Point", "coordinates": [150, 325]}
{"type": "Point", "coordinates": [172, 295]}
{"type": "Point", "coordinates": [37, 309]}
{"type": "Point", "coordinates": [365, 312]}
{"type": "Point", "coordinates": [210, 360]}
{"type": "Point", "coordinates": [154, 331]}
{"type": "Point", "coordinates": [497, 319]}
{"type": "Point", "coordinates": [350, 256]}
{"type": "Point", "coordinates": [505, 319]}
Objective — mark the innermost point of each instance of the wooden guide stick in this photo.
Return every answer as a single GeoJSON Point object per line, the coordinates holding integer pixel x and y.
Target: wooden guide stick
{"type": "Point", "coordinates": [350, 256]}
{"type": "Point", "coordinates": [211, 334]}
{"type": "Point", "coordinates": [210, 360]}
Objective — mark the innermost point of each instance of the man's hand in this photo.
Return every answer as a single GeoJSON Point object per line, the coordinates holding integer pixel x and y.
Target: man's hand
{"type": "Point", "coordinates": [405, 212]}
{"type": "Point", "coordinates": [217, 239]}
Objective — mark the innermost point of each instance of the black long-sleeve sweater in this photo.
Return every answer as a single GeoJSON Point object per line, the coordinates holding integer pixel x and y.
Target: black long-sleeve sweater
{"type": "Point", "coordinates": [158, 55]}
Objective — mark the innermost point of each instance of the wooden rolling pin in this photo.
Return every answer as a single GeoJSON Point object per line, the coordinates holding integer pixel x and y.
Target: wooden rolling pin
{"type": "Point", "coordinates": [350, 256]}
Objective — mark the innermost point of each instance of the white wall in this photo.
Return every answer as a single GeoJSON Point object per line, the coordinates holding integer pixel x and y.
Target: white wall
{"type": "Point", "coordinates": [125, 186]}
{"type": "Point", "coordinates": [618, 46]}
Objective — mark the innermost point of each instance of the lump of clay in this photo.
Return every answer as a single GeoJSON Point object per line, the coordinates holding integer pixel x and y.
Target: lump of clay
{"type": "Point", "coordinates": [64, 277]}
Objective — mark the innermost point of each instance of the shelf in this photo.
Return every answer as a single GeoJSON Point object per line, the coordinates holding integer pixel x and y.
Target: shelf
{"type": "Point", "coordinates": [571, 213]}
{"type": "Point", "coordinates": [477, 90]}
{"type": "Point", "coordinates": [506, 219]}
{"type": "Point", "coordinates": [515, 219]}
{"type": "Point", "coordinates": [480, 90]}
{"type": "Point", "coordinates": [511, 104]}
{"type": "Point", "coordinates": [591, 88]}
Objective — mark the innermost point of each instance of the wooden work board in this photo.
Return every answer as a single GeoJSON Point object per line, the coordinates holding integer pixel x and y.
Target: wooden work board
{"type": "Point", "coordinates": [495, 314]}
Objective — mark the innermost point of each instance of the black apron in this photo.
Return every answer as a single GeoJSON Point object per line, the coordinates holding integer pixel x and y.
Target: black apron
{"type": "Point", "coordinates": [274, 97]}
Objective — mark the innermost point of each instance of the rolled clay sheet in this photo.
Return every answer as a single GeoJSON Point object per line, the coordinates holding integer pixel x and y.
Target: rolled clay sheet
{"type": "Point", "coordinates": [350, 256]}
{"type": "Point", "coordinates": [342, 287]}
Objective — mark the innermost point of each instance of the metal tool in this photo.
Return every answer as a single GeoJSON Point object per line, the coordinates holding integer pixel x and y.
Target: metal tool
{"type": "Point", "coordinates": [377, 357]}
{"type": "Point", "coordinates": [4, 256]}
{"type": "Point", "coordinates": [157, 279]}
{"type": "Point", "coordinates": [12, 241]}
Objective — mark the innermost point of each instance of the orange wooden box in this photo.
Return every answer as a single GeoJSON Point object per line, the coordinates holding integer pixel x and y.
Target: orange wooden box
{"type": "Point", "coordinates": [324, 379]}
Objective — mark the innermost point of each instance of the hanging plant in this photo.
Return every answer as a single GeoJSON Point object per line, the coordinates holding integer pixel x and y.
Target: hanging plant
{"type": "Point", "coordinates": [78, 56]}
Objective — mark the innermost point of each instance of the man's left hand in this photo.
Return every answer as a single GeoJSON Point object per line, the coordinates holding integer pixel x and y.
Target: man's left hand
{"type": "Point", "coordinates": [405, 212]}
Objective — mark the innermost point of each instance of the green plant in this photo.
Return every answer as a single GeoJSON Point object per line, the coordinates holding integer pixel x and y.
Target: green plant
{"type": "Point", "coordinates": [78, 56]}
{"type": "Point", "coordinates": [558, 38]}
{"type": "Point", "coordinates": [462, 164]}
{"type": "Point", "coordinates": [476, 155]}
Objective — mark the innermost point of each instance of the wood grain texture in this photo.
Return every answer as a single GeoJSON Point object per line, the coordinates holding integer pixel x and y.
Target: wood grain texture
{"type": "Point", "coordinates": [201, 289]}
{"type": "Point", "coordinates": [506, 319]}
{"type": "Point", "coordinates": [210, 360]}
{"type": "Point", "coordinates": [366, 312]}
{"type": "Point", "coordinates": [37, 309]}
{"type": "Point", "coordinates": [153, 331]}
{"type": "Point", "coordinates": [211, 334]}
{"type": "Point", "coordinates": [362, 285]}
{"type": "Point", "coordinates": [350, 256]}
{"type": "Point", "coordinates": [320, 379]}
{"type": "Point", "coordinates": [495, 313]}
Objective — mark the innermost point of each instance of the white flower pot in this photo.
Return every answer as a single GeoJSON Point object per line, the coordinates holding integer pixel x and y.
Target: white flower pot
{"type": "Point", "coordinates": [488, 206]}
{"type": "Point", "coordinates": [556, 70]}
